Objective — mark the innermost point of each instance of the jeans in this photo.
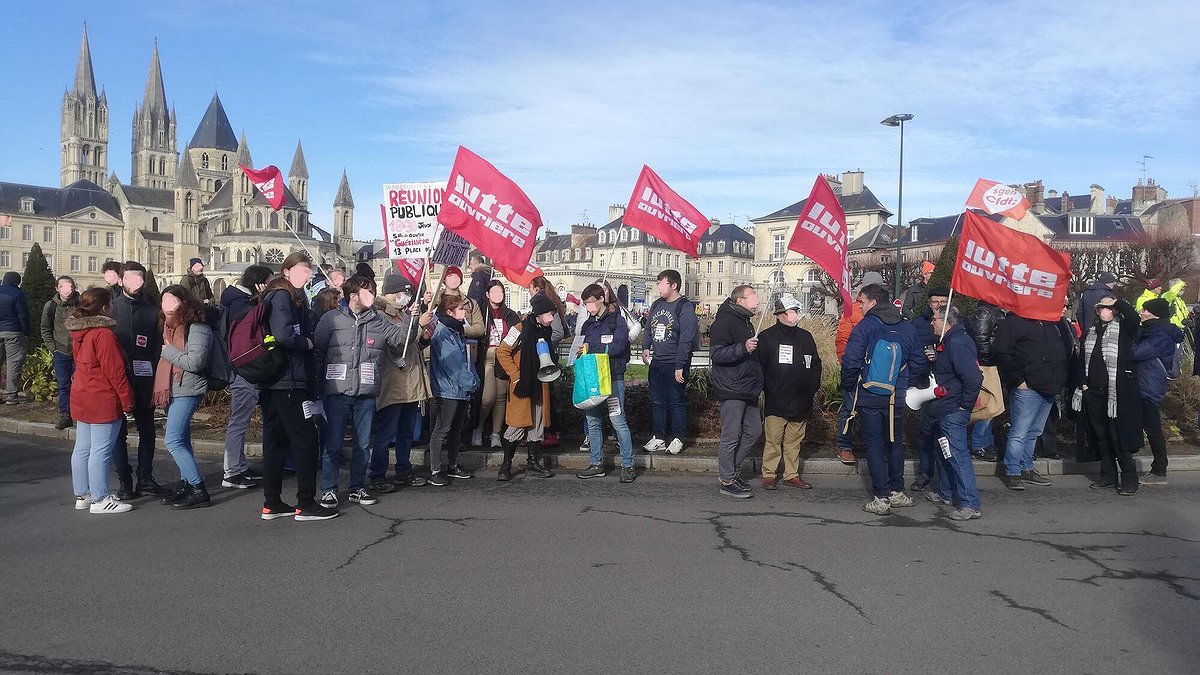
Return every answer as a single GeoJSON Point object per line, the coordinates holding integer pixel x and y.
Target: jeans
{"type": "Point", "coordinates": [1028, 412]}
{"type": "Point", "coordinates": [667, 402]}
{"type": "Point", "coordinates": [1152, 425]}
{"type": "Point", "coordinates": [885, 458]}
{"type": "Point", "coordinates": [286, 431]}
{"type": "Point", "coordinates": [178, 436]}
{"type": "Point", "coordinates": [929, 454]}
{"type": "Point", "coordinates": [359, 411]}
{"type": "Point", "coordinates": [400, 424]}
{"type": "Point", "coordinates": [143, 419]}
{"type": "Point", "coordinates": [241, 409]}
{"type": "Point", "coordinates": [445, 439]}
{"type": "Point", "coordinates": [741, 427]}
{"type": "Point", "coordinates": [843, 439]}
{"type": "Point", "coordinates": [13, 347]}
{"type": "Point", "coordinates": [64, 371]}
{"type": "Point", "coordinates": [957, 482]}
{"type": "Point", "coordinates": [614, 407]}
{"type": "Point", "coordinates": [89, 460]}
{"type": "Point", "coordinates": [981, 435]}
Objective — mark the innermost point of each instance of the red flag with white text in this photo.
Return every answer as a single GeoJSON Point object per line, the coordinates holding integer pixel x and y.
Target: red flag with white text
{"type": "Point", "coordinates": [413, 270]}
{"type": "Point", "coordinates": [269, 182]}
{"type": "Point", "coordinates": [992, 198]}
{"type": "Point", "coordinates": [1011, 269]}
{"type": "Point", "coordinates": [820, 236]}
{"type": "Point", "coordinates": [530, 272]}
{"type": "Point", "coordinates": [489, 210]}
{"type": "Point", "coordinates": [659, 211]}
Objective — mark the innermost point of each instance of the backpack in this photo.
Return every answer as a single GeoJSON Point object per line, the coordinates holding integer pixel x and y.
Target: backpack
{"type": "Point", "coordinates": [1176, 362]}
{"type": "Point", "coordinates": [252, 351]}
{"type": "Point", "coordinates": [218, 370]}
{"type": "Point", "coordinates": [884, 362]}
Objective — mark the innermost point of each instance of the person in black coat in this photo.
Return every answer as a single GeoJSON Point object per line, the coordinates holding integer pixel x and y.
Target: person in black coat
{"type": "Point", "coordinates": [928, 454]}
{"type": "Point", "coordinates": [1155, 354]}
{"type": "Point", "coordinates": [737, 381]}
{"type": "Point", "coordinates": [791, 379]}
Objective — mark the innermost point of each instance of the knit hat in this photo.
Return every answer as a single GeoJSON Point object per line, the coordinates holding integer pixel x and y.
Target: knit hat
{"type": "Point", "coordinates": [12, 278]}
{"type": "Point", "coordinates": [1107, 278]}
{"type": "Point", "coordinates": [540, 304]}
{"type": "Point", "coordinates": [940, 291]}
{"type": "Point", "coordinates": [453, 269]}
{"type": "Point", "coordinates": [927, 267]}
{"type": "Point", "coordinates": [785, 302]}
{"type": "Point", "coordinates": [1153, 282]}
{"type": "Point", "coordinates": [194, 261]}
{"type": "Point", "coordinates": [871, 278]}
{"type": "Point", "coordinates": [396, 283]}
{"type": "Point", "coordinates": [364, 270]}
{"type": "Point", "coordinates": [1160, 308]}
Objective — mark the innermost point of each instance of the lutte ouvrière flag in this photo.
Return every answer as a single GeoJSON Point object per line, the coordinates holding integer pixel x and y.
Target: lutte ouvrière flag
{"type": "Point", "coordinates": [820, 235]}
{"type": "Point", "coordinates": [1011, 269]}
{"type": "Point", "coordinates": [659, 211]}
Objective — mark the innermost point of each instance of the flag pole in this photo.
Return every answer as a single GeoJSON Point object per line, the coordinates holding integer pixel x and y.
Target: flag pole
{"type": "Point", "coordinates": [418, 292]}
{"type": "Point", "coordinates": [612, 251]}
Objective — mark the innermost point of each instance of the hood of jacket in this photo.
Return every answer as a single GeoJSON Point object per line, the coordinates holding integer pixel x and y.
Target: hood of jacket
{"type": "Point", "coordinates": [736, 311]}
{"type": "Point", "coordinates": [886, 313]}
{"type": "Point", "coordinates": [74, 323]}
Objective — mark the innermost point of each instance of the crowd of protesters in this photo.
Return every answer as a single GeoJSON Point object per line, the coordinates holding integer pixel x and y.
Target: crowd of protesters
{"type": "Point", "coordinates": [463, 368]}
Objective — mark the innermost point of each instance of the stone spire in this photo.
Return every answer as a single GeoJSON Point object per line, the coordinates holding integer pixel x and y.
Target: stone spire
{"type": "Point", "coordinates": [155, 97]}
{"type": "Point", "coordinates": [299, 166]}
{"type": "Point", "coordinates": [185, 175]}
{"type": "Point", "coordinates": [343, 199]}
{"type": "Point", "coordinates": [85, 78]}
{"type": "Point", "coordinates": [243, 152]}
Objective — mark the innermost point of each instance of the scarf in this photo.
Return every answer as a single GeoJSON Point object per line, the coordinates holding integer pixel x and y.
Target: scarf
{"type": "Point", "coordinates": [1109, 343]}
{"type": "Point", "coordinates": [168, 374]}
{"type": "Point", "coordinates": [529, 386]}
{"type": "Point", "coordinates": [451, 323]}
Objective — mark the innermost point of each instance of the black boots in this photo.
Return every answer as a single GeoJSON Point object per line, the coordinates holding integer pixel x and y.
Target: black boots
{"type": "Point", "coordinates": [125, 491]}
{"type": "Point", "coordinates": [181, 491]}
{"type": "Point", "coordinates": [510, 451]}
{"type": "Point", "coordinates": [196, 497]}
{"type": "Point", "coordinates": [536, 465]}
{"type": "Point", "coordinates": [149, 486]}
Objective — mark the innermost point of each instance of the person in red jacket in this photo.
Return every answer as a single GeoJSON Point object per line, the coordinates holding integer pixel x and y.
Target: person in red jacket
{"type": "Point", "coordinates": [100, 397]}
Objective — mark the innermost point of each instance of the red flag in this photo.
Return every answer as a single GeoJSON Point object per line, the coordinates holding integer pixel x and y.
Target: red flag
{"type": "Point", "coordinates": [820, 235]}
{"type": "Point", "coordinates": [487, 209]}
{"type": "Point", "coordinates": [413, 270]}
{"type": "Point", "coordinates": [1010, 269]}
{"type": "Point", "coordinates": [992, 197]}
{"type": "Point", "coordinates": [524, 278]}
{"type": "Point", "coordinates": [269, 182]}
{"type": "Point", "coordinates": [659, 211]}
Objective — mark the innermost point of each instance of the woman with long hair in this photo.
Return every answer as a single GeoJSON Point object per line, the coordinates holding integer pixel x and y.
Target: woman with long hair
{"type": "Point", "coordinates": [180, 383]}
{"type": "Point", "coordinates": [100, 398]}
{"type": "Point", "coordinates": [453, 380]}
{"type": "Point", "coordinates": [497, 319]}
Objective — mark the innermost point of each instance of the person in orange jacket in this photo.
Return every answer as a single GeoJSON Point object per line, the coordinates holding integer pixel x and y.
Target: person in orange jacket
{"type": "Point", "coordinates": [845, 326]}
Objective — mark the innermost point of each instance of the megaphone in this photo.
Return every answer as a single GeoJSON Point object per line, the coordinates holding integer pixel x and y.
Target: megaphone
{"type": "Point", "coordinates": [548, 370]}
{"type": "Point", "coordinates": [915, 398]}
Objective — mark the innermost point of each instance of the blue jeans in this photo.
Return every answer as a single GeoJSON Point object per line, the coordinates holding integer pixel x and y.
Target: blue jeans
{"type": "Point", "coordinates": [981, 435]}
{"type": "Point", "coordinates": [178, 436]}
{"type": "Point", "coordinates": [1028, 411]}
{"type": "Point", "coordinates": [89, 460]}
{"type": "Point", "coordinates": [843, 439]}
{"type": "Point", "coordinates": [929, 454]}
{"type": "Point", "coordinates": [957, 482]}
{"type": "Point", "coordinates": [614, 408]}
{"type": "Point", "coordinates": [340, 409]}
{"type": "Point", "coordinates": [667, 401]}
{"type": "Point", "coordinates": [885, 458]}
{"type": "Point", "coordinates": [64, 371]}
{"type": "Point", "coordinates": [399, 423]}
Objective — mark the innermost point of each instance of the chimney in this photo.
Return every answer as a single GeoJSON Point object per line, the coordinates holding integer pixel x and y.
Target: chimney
{"type": "Point", "coordinates": [714, 224]}
{"type": "Point", "coordinates": [1033, 192]}
{"type": "Point", "coordinates": [834, 183]}
{"type": "Point", "coordinates": [615, 211]}
{"type": "Point", "coordinates": [1066, 203]}
{"type": "Point", "coordinates": [852, 182]}
{"type": "Point", "coordinates": [1110, 205]}
{"type": "Point", "coordinates": [1052, 194]}
{"type": "Point", "coordinates": [1098, 201]}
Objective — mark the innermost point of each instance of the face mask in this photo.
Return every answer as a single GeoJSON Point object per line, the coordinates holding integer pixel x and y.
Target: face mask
{"type": "Point", "coordinates": [403, 299]}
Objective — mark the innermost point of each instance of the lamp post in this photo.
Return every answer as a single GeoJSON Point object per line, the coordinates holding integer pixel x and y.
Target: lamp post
{"type": "Point", "coordinates": [898, 121]}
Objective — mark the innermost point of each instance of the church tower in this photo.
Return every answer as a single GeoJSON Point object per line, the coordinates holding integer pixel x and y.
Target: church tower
{"type": "Point", "coordinates": [84, 125]}
{"type": "Point", "coordinates": [155, 157]}
{"type": "Point", "coordinates": [343, 220]}
{"type": "Point", "coordinates": [298, 176]}
{"type": "Point", "coordinates": [187, 212]}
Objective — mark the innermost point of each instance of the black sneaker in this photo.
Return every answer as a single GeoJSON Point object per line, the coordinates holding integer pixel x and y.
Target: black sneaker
{"type": "Point", "coordinates": [329, 500]}
{"type": "Point", "coordinates": [1012, 482]}
{"type": "Point", "coordinates": [315, 512]}
{"type": "Point", "coordinates": [239, 482]}
{"type": "Point", "coordinates": [361, 496]}
{"type": "Point", "coordinates": [271, 511]}
{"type": "Point", "coordinates": [1128, 489]}
{"type": "Point", "coordinates": [457, 471]}
{"type": "Point", "coordinates": [408, 480]}
{"type": "Point", "coordinates": [628, 474]}
{"type": "Point", "coordinates": [437, 479]}
{"type": "Point", "coordinates": [1032, 477]}
{"type": "Point", "coordinates": [735, 489]}
{"type": "Point", "coordinates": [987, 454]}
{"type": "Point", "coordinates": [593, 471]}
{"type": "Point", "coordinates": [920, 483]}
{"type": "Point", "coordinates": [149, 486]}
{"type": "Point", "coordinates": [1153, 479]}
{"type": "Point", "coordinates": [1103, 485]}
{"type": "Point", "coordinates": [253, 475]}
{"type": "Point", "coordinates": [64, 421]}
{"type": "Point", "coordinates": [382, 485]}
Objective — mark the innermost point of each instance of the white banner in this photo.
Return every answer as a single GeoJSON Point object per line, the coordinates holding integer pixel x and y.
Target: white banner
{"type": "Point", "coordinates": [410, 217]}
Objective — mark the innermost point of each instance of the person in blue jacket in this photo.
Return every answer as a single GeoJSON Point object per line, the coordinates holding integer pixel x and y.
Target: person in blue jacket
{"type": "Point", "coordinates": [454, 381]}
{"type": "Point", "coordinates": [959, 379]}
{"type": "Point", "coordinates": [14, 327]}
{"type": "Point", "coordinates": [882, 416]}
{"type": "Point", "coordinates": [1154, 355]}
{"type": "Point", "coordinates": [605, 332]}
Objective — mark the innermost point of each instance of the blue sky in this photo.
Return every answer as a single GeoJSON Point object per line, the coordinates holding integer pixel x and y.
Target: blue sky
{"type": "Point", "coordinates": [737, 105]}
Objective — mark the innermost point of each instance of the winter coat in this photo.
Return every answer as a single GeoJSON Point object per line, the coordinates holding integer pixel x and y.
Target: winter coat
{"type": "Point", "coordinates": [199, 286]}
{"type": "Point", "coordinates": [1129, 404]}
{"type": "Point", "coordinates": [14, 310]}
{"type": "Point", "coordinates": [913, 295]}
{"type": "Point", "coordinates": [55, 335]}
{"type": "Point", "coordinates": [409, 384]}
{"type": "Point", "coordinates": [1179, 308]}
{"type": "Point", "coordinates": [791, 370]}
{"type": "Point", "coordinates": [737, 374]}
{"type": "Point", "coordinates": [193, 361]}
{"type": "Point", "coordinates": [985, 319]}
{"type": "Point", "coordinates": [451, 375]}
{"type": "Point", "coordinates": [1153, 354]}
{"type": "Point", "coordinates": [292, 327]}
{"type": "Point", "coordinates": [956, 370]}
{"type": "Point", "coordinates": [509, 318]}
{"type": "Point", "coordinates": [477, 291]}
{"type": "Point", "coordinates": [609, 334]}
{"type": "Point", "coordinates": [141, 338]}
{"type": "Point", "coordinates": [100, 391]}
{"type": "Point", "coordinates": [350, 350]}
{"type": "Point", "coordinates": [862, 343]}
{"type": "Point", "coordinates": [1085, 313]}
{"type": "Point", "coordinates": [474, 328]}
{"type": "Point", "coordinates": [519, 412]}
{"type": "Point", "coordinates": [845, 325]}
{"type": "Point", "coordinates": [237, 301]}
{"type": "Point", "coordinates": [672, 331]}
{"type": "Point", "coordinates": [1034, 352]}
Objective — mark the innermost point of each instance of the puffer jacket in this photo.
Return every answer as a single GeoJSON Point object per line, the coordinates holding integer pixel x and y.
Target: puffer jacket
{"type": "Point", "coordinates": [450, 373]}
{"type": "Point", "coordinates": [351, 350]}
{"type": "Point", "coordinates": [409, 384]}
{"type": "Point", "coordinates": [1036, 353]}
{"type": "Point", "coordinates": [193, 361]}
{"type": "Point", "coordinates": [736, 373]}
{"type": "Point", "coordinates": [14, 310]}
{"type": "Point", "coordinates": [55, 335]}
{"type": "Point", "coordinates": [100, 391]}
{"type": "Point", "coordinates": [1152, 356]}
{"type": "Point", "coordinates": [984, 320]}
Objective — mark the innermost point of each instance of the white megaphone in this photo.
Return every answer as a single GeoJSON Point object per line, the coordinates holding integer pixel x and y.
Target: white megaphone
{"type": "Point", "coordinates": [915, 398]}
{"type": "Point", "coordinates": [548, 370]}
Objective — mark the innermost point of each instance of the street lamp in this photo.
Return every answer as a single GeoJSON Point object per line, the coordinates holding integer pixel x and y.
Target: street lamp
{"type": "Point", "coordinates": [898, 121]}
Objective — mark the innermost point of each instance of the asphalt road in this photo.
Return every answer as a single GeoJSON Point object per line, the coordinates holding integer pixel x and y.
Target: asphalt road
{"type": "Point", "coordinates": [568, 576]}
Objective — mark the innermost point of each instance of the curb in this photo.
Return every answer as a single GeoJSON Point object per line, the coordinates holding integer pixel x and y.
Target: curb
{"type": "Point", "coordinates": [659, 461]}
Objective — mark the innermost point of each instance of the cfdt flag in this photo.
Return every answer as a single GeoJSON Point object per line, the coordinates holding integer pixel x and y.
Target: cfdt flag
{"type": "Point", "coordinates": [657, 210]}
{"type": "Point", "coordinates": [1011, 269]}
{"type": "Point", "coordinates": [269, 182]}
{"type": "Point", "coordinates": [820, 236]}
{"type": "Point", "coordinates": [487, 209]}
{"type": "Point", "coordinates": [523, 278]}
{"type": "Point", "coordinates": [992, 197]}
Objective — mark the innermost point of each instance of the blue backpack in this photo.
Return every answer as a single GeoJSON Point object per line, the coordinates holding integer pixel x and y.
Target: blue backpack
{"type": "Point", "coordinates": [884, 363]}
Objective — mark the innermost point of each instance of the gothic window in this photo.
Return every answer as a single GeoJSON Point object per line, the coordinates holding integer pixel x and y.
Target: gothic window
{"type": "Point", "coordinates": [204, 160]}
{"type": "Point", "coordinates": [162, 167]}
{"type": "Point", "coordinates": [154, 224]}
{"type": "Point", "coordinates": [346, 224]}
{"type": "Point", "coordinates": [274, 256]}
{"type": "Point", "coordinates": [224, 162]}
{"type": "Point", "coordinates": [187, 205]}
{"type": "Point", "coordinates": [245, 221]}
{"type": "Point", "coordinates": [258, 220]}
{"type": "Point", "coordinates": [288, 218]}
{"type": "Point", "coordinates": [274, 220]}
{"type": "Point", "coordinates": [162, 137]}
{"type": "Point", "coordinates": [239, 256]}
{"type": "Point", "coordinates": [150, 165]}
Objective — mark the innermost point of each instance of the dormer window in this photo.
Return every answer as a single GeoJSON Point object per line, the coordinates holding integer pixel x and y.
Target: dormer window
{"type": "Point", "coordinates": [1082, 225]}
{"type": "Point", "coordinates": [914, 233]}
{"type": "Point", "coordinates": [26, 204]}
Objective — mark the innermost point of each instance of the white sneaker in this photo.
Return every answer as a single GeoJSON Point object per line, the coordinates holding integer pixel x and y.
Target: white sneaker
{"type": "Point", "coordinates": [879, 506]}
{"type": "Point", "coordinates": [496, 442]}
{"type": "Point", "coordinates": [586, 446]}
{"type": "Point", "coordinates": [654, 444]}
{"type": "Point", "coordinates": [476, 438]}
{"type": "Point", "coordinates": [83, 502]}
{"type": "Point", "coordinates": [109, 505]}
{"type": "Point", "coordinates": [329, 500]}
{"type": "Point", "coordinates": [675, 447]}
{"type": "Point", "coordinates": [900, 499]}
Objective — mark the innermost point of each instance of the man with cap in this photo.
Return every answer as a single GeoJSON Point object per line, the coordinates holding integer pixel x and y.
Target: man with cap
{"type": "Point", "coordinates": [14, 326]}
{"type": "Point", "coordinates": [528, 411]}
{"type": "Point", "coordinates": [913, 295]}
{"type": "Point", "coordinates": [845, 327]}
{"type": "Point", "coordinates": [1102, 287]}
{"type": "Point", "coordinates": [196, 282]}
{"type": "Point", "coordinates": [1154, 355]}
{"type": "Point", "coordinates": [791, 379]}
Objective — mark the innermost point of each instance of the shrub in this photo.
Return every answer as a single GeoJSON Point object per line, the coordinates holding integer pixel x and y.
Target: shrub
{"type": "Point", "coordinates": [37, 376]}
